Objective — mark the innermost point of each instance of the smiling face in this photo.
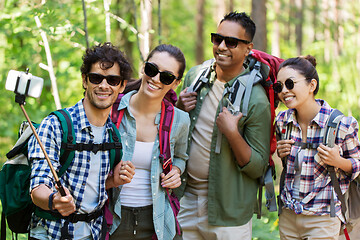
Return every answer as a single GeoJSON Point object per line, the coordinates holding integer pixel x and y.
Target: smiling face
{"type": "Point", "coordinates": [302, 92]}
{"type": "Point", "coordinates": [152, 86]}
{"type": "Point", "coordinates": [231, 58]}
{"type": "Point", "coordinates": [102, 95]}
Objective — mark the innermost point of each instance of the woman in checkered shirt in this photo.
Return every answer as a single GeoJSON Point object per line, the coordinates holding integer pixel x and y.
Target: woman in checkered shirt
{"type": "Point", "coordinates": [306, 191]}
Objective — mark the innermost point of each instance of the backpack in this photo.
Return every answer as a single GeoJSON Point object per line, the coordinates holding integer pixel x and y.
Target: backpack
{"type": "Point", "coordinates": [263, 70]}
{"type": "Point", "coordinates": [166, 120]}
{"type": "Point", "coordinates": [17, 207]}
{"type": "Point", "coordinates": [350, 201]}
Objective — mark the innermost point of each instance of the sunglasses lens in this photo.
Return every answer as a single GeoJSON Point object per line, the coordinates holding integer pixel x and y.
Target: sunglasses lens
{"type": "Point", "coordinates": [166, 78]}
{"type": "Point", "coordinates": [216, 39]}
{"type": "Point", "coordinates": [277, 87]}
{"type": "Point", "coordinates": [113, 80]}
{"type": "Point", "coordinates": [289, 84]}
{"type": "Point", "coordinates": [231, 42]}
{"type": "Point", "coordinates": [150, 69]}
{"type": "Point", "coordinates": [95, 78]}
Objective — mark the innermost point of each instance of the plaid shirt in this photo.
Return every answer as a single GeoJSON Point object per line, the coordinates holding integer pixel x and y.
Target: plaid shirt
{"type": "Point", "coordinates": [315, 186]}
{"type": "Point", "coordinates": [76, 175]}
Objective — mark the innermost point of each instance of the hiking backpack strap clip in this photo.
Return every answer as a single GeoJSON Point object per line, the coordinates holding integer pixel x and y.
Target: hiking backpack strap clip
{"type": "Point", "coordinates": [202, 77]}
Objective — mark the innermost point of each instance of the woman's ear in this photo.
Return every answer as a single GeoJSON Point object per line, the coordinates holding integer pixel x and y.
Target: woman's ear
{"type": "Point", "coordinates": [313, 85]}
{"type": "Point", "coordinates": [177, 82]}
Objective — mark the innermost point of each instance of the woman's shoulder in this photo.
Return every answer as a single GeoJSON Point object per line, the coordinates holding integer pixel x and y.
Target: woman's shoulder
{"type": "Point", "coordinates": [182, 115]}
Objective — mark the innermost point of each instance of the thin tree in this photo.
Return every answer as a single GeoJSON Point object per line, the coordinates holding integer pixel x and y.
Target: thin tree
{"type": "Point", "coordinates": [199, 19]}
{"type": "Point", "coordinates": [107, 20]}
{"type": "Point", "coordinates": [299, 4]}
{"type": "Point", "coordinates": [258, 15]}
{"type": "Point", "coordinates": [85, 24]}
{"type": "Point", "coordinates": [145, 27]}
{"type": "Point", "coordinates": [49, 67]}
{"type": "Point", "coordinates": [275, 46]}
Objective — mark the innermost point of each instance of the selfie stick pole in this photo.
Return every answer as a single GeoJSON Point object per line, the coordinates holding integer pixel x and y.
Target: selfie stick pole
{"type": "Point", "coordinates": [19, 98]}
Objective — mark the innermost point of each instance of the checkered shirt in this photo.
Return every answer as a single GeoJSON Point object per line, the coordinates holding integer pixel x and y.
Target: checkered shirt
{"type": "Point", "coordinates": [76, 175]}
{"type": "Point", "coordinates": [315, 186]}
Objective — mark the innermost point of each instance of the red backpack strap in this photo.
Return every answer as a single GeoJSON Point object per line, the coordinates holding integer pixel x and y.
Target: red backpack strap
{"type": "Point", "coordinates": [166, 119]}
{"type": "Point", "coordinates": [115, 112]}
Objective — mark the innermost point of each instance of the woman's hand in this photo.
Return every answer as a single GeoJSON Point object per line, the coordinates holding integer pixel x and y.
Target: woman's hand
{"type": "Point", "coordinates": [172, 179]}
{"type": "Point", "coordinates": [331, 156]}
{"type": "Point", "coordinates": [283, 147]}
{"type": "Point", "coordinates": [123, 173]}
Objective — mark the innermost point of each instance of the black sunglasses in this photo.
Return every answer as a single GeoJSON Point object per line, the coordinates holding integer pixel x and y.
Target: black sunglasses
{"type": "Point", "coordinates": [289, 84]}
{"type": "Point", "coordinates": [165, 77]}
{"type": "Point", "coordinates": [96, 78]}
{"type": "Point", "coordinates": [230, 42]}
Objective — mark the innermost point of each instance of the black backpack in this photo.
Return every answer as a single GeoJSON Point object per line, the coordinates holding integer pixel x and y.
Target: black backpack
{"type": "Point", "coordinates": [17, 206]}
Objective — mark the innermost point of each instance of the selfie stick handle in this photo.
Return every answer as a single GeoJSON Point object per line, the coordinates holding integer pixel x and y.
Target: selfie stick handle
{"type": "Point", "coordinates": [57, 181]}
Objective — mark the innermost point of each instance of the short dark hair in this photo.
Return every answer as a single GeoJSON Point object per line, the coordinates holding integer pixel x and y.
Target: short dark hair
{"type": "Point", "coordinates": [244, 20]}
{"type": "Point", "coordinates": [174, 52]}
{"type": "Point", "coordinates": [306, 66]}
{"type": "Point", "coordinates": [107, 54]}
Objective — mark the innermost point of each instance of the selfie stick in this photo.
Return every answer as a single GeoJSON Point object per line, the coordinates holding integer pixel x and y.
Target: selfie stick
{"type": "Point", "coordinates": [20, 98]}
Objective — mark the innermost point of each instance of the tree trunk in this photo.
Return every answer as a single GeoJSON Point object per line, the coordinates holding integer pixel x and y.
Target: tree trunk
{"type": "Point", "coordinates": [220, 10]}
{"type": "Point", "coordinates": [258, 15]}
{"type": "Point", "coordinates": [299, 25]}
{"type": "Point", "coordinates": [200, 31]}
{"type": "Point", "coordinates": [289, 29]}
{"type": "Point", "coordinates": [275, 46]}
{"type": "Point", "coordinates": [145, 27]}
{"type": "Point", "coordinates": [338, 30]}
{"type": "Point", "coordinates": [327, 34]}
{"type": "Point", "coordinates": [123, 8]}
{"type": "Point", "coordinates": [315, 15]}
{"type": "Point", "coordinates": [107, 20]}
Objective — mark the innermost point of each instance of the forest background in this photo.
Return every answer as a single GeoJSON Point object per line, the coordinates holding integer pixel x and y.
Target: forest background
{"type": "Point", "coordinates": [50, 37]}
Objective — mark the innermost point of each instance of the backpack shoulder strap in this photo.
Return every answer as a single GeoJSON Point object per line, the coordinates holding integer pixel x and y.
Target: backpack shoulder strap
{"type": "Point", "coordinates": [66, 154]}
{"type": "Point", "coordinates": [114, 109]}
{"type": "Point", "coordinates": [331, 129]}
{"type": "Point", "coordinates": [115, 153]}
{"type": "Point", "coordinates": [202, 77]}
{"type": "Point", "coordinates": [166, 120]}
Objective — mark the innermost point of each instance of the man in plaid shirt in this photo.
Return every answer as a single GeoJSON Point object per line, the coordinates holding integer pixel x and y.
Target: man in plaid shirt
{"type": "Point", "coordinates": [104, 75]}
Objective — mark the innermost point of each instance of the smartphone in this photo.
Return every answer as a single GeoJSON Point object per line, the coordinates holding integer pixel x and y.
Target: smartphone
{"type": "Point", "coordinates": [24, 83]}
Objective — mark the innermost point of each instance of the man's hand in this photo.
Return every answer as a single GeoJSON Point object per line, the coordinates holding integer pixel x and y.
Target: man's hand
{"type": "Point", "coordinates": [172, 179]}
{"type": "Point", "coordinates": [123, 173]}
{"type": "Point", "coordinates": [227, 122]}
{"type": "Point", "coordinates": [65, 205]}
{"type": "Point", "coordinates": [187, 101]}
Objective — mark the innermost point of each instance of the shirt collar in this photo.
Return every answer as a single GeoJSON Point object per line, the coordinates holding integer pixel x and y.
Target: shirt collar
{"type": "Point", "coordinates": [320, 118]}
{"type": "Point", "coordinates": [83, 120]}
{"type": "Point", "coordinates": [124, 103]}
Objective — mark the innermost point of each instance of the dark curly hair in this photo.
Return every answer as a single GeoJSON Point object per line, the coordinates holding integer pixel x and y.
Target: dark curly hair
{"type": "Point", "coordinates": [244, 20]}
{"type": "Point", "coordinates": [107, 54]}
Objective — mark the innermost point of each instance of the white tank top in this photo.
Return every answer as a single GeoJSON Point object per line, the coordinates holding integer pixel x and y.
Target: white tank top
{"type": "Point", "coordinates": [137, 193]}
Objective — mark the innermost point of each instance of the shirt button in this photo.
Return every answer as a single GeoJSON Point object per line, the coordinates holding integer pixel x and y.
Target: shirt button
{"type": "Point", "coordinates": [154, 157]}
{"type": "Point", "coordinates": [193, 118]}
{"type": "Point", "coordinates": [154, 194]}
{"type": "Point", "coordinates": [153, 176]}
{"type": "Point", "coordinates": [201, 98]}
{"type": "Point", "coordinates": [83, 184]}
